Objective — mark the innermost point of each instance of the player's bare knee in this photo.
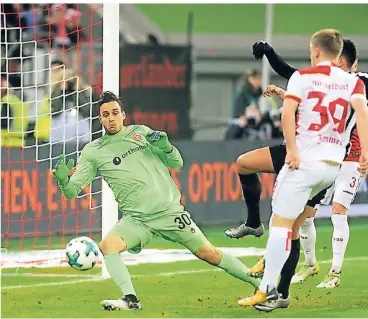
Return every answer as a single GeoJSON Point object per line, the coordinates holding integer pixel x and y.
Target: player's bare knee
{"type": "Point", "coordinates": [309, 212]}
{"type": "Point", "coordinates": [243, 164]}
{"type": "Point", "coordinates": [112, 244]}
{"type": "Point", "coordinates": [214, 257]}
{"type": "Point", "coordinates": [209, 253]}
{"type": "Point", "coordinates": [279, 221]}
{"type": "Point", "coordinates": [339, 209]}
{"type": "Point", "coordinates": [255, 161]}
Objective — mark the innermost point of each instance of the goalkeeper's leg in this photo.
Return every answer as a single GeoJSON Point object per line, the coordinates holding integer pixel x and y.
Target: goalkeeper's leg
{"type": "Point", "coordinates": [111, 247]}
{"type": "Point", "coordinates": [180, 228]}
{"type": "Point", "coordinates": [127, 234]}
{"type": "Point", "coordinates": [232, 265]}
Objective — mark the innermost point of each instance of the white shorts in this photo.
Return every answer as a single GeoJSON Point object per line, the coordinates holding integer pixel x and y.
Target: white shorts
{"type": "Point", "coordinates": [345, 187]}
{"type": "Point", "coordinates": [294, 188]}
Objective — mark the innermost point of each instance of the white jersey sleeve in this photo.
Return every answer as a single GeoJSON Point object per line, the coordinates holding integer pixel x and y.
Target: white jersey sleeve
{"type": "Point", "coordinates": [294, 88]}
{"type": "Point", "coordinates": [359, 91]}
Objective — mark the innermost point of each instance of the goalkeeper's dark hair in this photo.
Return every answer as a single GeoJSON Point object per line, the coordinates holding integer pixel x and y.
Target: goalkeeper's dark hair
{"type": "Point", "coordinates": [349, 52]}
{"type": "Point", "coordinates": [107, 97]}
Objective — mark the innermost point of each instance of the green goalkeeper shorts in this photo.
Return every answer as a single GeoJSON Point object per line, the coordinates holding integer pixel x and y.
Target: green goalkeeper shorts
{"type": "Point", "coordinates": [176, 227]}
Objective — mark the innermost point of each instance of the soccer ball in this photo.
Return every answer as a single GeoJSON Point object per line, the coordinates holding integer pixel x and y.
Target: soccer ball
{"type": "Point", "coordinates": [81, 253]}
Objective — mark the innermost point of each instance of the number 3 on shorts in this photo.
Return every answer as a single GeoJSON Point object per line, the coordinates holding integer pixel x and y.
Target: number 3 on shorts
{"type": "Point", "coordinates": [353, 181]}
{"type": "Point", "coordinates": [183, 220]}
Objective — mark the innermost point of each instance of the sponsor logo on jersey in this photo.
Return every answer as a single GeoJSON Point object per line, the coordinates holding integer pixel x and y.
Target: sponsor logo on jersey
{"type": "Point", "coordinates": [118, 159]}
{"type": "Point", "coordinates": [137, 137]}
{"type": "Point", "coordinates": [328, 139]}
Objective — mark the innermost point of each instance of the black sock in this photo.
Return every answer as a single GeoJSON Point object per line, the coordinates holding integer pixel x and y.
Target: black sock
{"type": "Point", "coordinates": [252, 195]}
{"type": "Point", "coordinates": [288, 270]}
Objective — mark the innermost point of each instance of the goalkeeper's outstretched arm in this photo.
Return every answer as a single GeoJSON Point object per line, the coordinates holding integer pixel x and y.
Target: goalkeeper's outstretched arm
{"type": "Point", "coordinates": [83, 176]}
{"type": "Point", "coordinates": [171, 158]}
{"type": "Point", "coordinates": [167, 152]}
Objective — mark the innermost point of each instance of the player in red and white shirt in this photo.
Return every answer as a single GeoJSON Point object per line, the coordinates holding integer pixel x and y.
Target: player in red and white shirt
{"type": "Point", "coordinates": [342, 193]}
{"type": "Point", "coordinates": [323, 97]}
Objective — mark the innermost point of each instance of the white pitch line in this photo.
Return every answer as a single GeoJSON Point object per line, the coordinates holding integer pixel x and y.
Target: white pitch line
{"type": "Point", "coordinates": [54, 283]}
{"type": "Point", "coordinates": [93, 276]}
{"type": "Point", "coordinates": [98, 278]}
{"type": "Point", "coordinates": [162, 274]}
{"type": "Point", "coordinates": [345, 259]}
{"type": "Point", "coordinates": [28, 274]}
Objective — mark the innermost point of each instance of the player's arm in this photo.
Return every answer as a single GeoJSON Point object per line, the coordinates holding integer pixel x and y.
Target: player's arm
{"type": "Point", "coordinates": [290, 105]}
{"type": "Point", "coordinates": [359, 104]}
{"type": "Point", "coordinates": [85, 173]}
{"type": "Point", "coordinates": [277, 63]}
{"type": "Point", "coordinates": [274, 90]}
{"type": "Point", "coordinates": [172, 158]}
{"type": "Point", "coordinates": [167, 152]}
{"type": "Point", "coordinates": [289, 108]}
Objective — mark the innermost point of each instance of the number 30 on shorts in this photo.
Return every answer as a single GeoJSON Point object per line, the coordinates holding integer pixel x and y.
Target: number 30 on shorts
{"type": "Point", "coordinates": [183, 220]}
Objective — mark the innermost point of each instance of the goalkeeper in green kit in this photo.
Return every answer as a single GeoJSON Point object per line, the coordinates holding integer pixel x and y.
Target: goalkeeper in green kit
{"type": "Point", "coordinates": [133, 160]}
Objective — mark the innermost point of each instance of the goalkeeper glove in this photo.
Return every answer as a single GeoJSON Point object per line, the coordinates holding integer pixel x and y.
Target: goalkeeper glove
{"type": "Point", "coordinates": [160, 140]}
{"type": "Point", "coordinates": [61, 171]}
{"type": "Point", "coordinates": [260, 48]}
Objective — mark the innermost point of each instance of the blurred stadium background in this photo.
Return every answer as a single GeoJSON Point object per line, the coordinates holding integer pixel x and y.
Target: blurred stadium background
{"type": "Point", "coordinates": [183, 68]}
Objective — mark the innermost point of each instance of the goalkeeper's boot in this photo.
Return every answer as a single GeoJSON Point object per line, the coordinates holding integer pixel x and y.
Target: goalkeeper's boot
{"type": "Point", "coordinates": [128, 302]}
{"type": "Point", "coordinates": [258, 269]}
{"type": "Point", "coordinates": [259, 297]}
{"type": "Point", "coordinates": [271, 305]}
{"type": "Point", "coordinates": [332, 280]}
{"type": "Point", "coordinates": [244, 230]}
{"type": "Point", "coordinates": [305, 272]}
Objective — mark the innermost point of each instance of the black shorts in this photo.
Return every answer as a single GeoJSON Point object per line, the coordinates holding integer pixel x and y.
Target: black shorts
{"type": "Point", "coordinates": [278, 154]}
{"type": "Point", "coordinates": [316, 200]}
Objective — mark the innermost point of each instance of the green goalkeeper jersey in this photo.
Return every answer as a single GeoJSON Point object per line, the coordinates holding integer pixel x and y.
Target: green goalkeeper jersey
{"type": "Point", "coordinates": [135, 170]}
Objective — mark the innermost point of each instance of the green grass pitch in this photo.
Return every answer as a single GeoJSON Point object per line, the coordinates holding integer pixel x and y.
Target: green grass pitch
{"type": "Point", "coordinates": [191, 288]}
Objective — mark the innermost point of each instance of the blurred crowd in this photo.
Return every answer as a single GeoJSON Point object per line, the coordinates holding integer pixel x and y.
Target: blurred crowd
{"type": "Point", "coordinates": [55, 26]}
{"type": "Point", "coordinates": [64, 110]}
{"type": "Point", "coordinates": [253, 116]}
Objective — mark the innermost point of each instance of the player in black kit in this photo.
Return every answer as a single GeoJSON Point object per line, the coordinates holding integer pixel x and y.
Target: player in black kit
{"type": "Point", "coordinates": [271, 160]}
